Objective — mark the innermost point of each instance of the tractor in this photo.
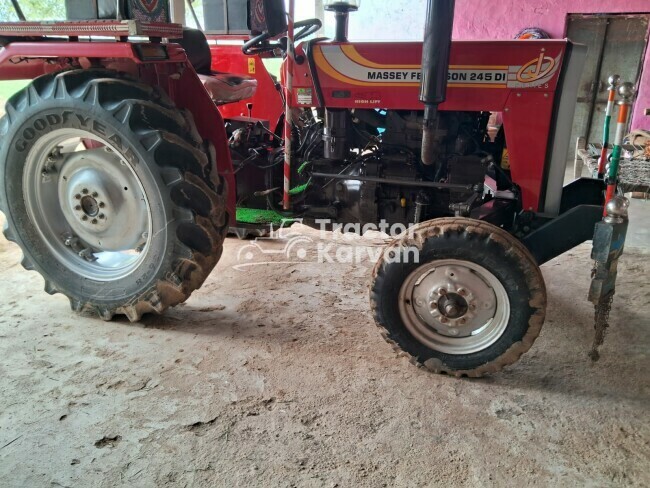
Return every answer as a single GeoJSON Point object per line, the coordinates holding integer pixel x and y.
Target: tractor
{"type": "Point", "coordinates": [129, 158]}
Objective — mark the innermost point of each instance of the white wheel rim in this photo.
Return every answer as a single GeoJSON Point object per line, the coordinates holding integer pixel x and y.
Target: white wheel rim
{"type": "Point", "coordinates": [454, 306]}
{"type": "Point", "coordinates": [87, 199]}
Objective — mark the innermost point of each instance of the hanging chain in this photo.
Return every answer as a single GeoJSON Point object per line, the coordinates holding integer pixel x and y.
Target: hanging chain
{"type": "Point", "coordinates": [601, 323]}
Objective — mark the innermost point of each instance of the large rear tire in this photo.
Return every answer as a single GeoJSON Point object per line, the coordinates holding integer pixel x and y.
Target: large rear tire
{"type": "Point", "coordinates": [472, 302]}
{"type": "Point", "coordinates": [109, 191]}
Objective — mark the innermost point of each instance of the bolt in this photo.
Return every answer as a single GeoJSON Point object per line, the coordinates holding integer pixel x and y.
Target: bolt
{"type": "Point", "coordinates": [85, 191]}
{"type": "Point", "coordinates": [444, 320]}
{"type": "Point", "coordinates": [462, 292]}
{"type": "Point", "coordinates": [101, 216]}
{"type": "Point", "coordinates": [93, 221]}
{"type": "Point", "coordinates": [84, 217]}
{"type": "Point", "coordinates": [442, 291]}
{"type": "Point", "coordinates": [77, 196]}
{"type": "Point", "coordinates": [95, 194]}
{"type": "Point", "coordinates": [102, 204]}
{"type": "Point", "coordinates": [77, 207]}
{"type": "Point", "coordinates": [472, 307]}
{"type": "Point", "coordinates": [451, 309]}
{"type": "Point", "coordinates": [462, 321]}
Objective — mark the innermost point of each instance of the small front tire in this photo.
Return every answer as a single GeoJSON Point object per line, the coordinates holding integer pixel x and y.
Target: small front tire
{"type": "Point", "coordinates": [471, 302]}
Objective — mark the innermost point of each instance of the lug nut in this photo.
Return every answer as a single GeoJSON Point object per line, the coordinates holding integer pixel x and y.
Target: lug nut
{"type": "Point", "coordinates": [444, 320]}
{"type": "Point", "coordinates": [77, 196]}
{"type": "Point", "coordinates": [93, 221]}
{"type": "Point", "coordinates": [102, 204]}
{"type": "Point", "coordinates": [95, 194]}
{"type": "Point", "coordinates": [85, 191]}
{"type": "Point", "coordinates": [77, 207]}
{"type": "Point", "coordinates": [442, 291]}
{"type": "Point", "coordinates": [101, 216]}
{"type": "Point", "coordinates": [462, 321]}
{"type": "Point", "coordinates": [462, 292]}
{"type": "Point", "coordinates": [84, 217]}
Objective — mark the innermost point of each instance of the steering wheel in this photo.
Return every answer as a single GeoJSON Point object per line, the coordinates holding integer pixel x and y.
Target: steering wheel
{"type": "Point", "coordinates": [259, 44]}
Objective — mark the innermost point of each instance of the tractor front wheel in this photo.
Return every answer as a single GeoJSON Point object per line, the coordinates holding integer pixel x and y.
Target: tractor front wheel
{"type": "Point", "coordinates": [108, 190]}
{"type": "Point", "coordinates": [459, 296]}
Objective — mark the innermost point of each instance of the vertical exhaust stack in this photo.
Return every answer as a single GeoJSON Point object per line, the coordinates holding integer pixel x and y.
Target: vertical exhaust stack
{"type": "Point", "coordinates": [435, 67]}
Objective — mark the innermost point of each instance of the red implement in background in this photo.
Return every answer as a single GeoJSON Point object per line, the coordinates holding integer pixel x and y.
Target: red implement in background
{"type": "Point", "coordinates": [266, 103]}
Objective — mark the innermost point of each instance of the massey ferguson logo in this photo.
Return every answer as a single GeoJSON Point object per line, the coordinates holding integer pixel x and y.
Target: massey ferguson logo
{"type": "Point", "coordinates": [536, 69]}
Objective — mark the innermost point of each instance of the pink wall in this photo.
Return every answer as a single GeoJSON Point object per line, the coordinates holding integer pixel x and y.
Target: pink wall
{"type": "Point", "coordinates": [501, 19]}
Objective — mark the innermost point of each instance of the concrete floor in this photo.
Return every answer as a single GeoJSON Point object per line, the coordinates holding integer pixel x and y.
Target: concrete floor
{"type": "Point", "coordinates": [276, 376]}
{"type": "Point", "coordinates": [640, 228]}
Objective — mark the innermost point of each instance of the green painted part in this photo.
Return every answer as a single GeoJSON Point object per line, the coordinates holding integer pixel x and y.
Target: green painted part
{"type": "Point", "coordinates": [613, 164]}
{"type": "Point", "coordinates": [299, 189]}
{"type": "Point", "coordinates": [258, 216]}
{"type": "Point", "coordinates": [606, 130]}
{"type": "Point", "coordinates": [302, 167]}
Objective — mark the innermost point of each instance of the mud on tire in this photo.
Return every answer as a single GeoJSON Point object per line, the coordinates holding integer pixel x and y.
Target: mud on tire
{"type": "Point", "coordinates": [159, 145]}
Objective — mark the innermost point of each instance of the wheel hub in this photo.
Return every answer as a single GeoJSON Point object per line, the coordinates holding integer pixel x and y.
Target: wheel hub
{"type": "Point", "coordinates": [89, 206]}
{"type": "Point", "coordinates": [102, 202]}
{"type": "Point", "coordinates": [454, 306]}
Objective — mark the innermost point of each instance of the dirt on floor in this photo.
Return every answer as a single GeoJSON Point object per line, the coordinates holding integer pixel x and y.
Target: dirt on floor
{"type": "Point", "coordinates": [275, 375]}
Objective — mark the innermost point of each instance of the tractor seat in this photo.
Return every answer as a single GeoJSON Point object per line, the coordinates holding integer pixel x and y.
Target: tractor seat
{"type": "Point", "coordinates": [222, 87]}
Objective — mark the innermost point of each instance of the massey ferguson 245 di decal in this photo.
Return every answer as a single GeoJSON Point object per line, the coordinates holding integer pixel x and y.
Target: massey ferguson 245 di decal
{"type": "Point", "coordinates": [344, 63]}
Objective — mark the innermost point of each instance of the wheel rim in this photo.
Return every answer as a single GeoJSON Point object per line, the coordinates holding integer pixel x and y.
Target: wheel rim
{"type": "Point", "coordinates": [87, 204]}
{"type": "Point", "coordinates": [453, 306]}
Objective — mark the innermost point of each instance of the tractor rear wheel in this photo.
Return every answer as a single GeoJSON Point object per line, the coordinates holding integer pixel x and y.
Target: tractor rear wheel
{"type": "Point", "coordinates": [109, 191]}
{"type": "Point", "coordinates": [469, 302]}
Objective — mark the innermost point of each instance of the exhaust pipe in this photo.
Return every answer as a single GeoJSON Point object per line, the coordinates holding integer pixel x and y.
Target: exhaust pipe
{"type": "Point", "coordinates": [435, 67]}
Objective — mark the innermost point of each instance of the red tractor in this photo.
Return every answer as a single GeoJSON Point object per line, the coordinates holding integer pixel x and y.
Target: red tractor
{"type": "Point", "coordinates": [119, 177]}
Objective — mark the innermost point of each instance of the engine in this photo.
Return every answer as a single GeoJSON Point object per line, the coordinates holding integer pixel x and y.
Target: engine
{"type": "Point", "coordinates": [363, 166]}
